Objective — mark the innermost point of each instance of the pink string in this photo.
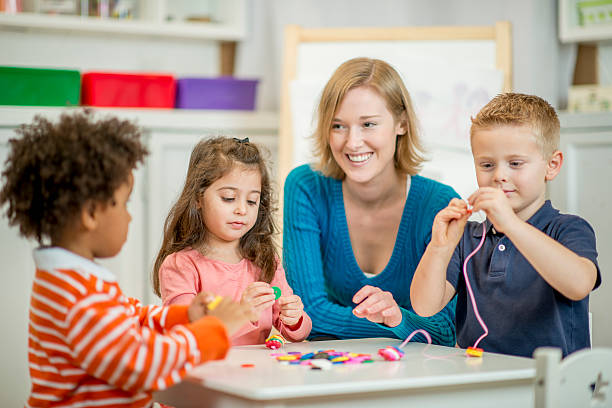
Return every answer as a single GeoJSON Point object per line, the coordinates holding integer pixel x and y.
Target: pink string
{"type": "Point", "coordinates": [428, 337]}
{"type": "Point", "coordinates": [469, 287]}
{"type": "Point", "coordinates": [423, 332]}
{"type": "Point", "coordinates": [470, 292]}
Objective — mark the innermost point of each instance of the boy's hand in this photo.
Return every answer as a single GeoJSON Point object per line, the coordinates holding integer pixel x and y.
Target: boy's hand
{"type": "Point", "coordinates": [233, 315]}
{"type": "Point", "coordinates": [496, 205]}
{"type": "Point", "coordinates": [197, 308]}
{"type": "Point", "coordinates": [291, 309]}
{"type": "Point", "coordinates": [258, 296]}
{"type": "Point", "coordinates": [377, 306]}
{"type": "Point", "coordinates": [449, 223]}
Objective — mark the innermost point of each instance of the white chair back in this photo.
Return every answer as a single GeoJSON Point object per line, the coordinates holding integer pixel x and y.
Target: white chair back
{"type": "Point", "coordinates": [582, 379]}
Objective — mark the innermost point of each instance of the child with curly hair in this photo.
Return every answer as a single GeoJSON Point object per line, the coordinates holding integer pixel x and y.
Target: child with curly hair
{"type": "Point", "coordinates": [67, 184]}
{"type": "Point", "coordinates": [219, 238]}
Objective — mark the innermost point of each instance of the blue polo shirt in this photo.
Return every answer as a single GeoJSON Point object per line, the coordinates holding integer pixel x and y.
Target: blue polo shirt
{"type": "Point", "coordinates": [520, 309]}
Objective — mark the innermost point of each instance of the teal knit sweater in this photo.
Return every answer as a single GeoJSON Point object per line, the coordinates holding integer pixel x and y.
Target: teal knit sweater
{"type": "Point", "coordinates": [321, 267]}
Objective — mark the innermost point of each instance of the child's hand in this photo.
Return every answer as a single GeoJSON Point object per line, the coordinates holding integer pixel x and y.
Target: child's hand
{"type": "Point", "coordinates": [233, 315]}
{"type": "Point", "coordinates": [496, 205]}
{"type": "Point", "coordinates": [291, 309]}
{"type": "Point", "coordinates": [377, 306]}
{"type": "Point", "coordinates": [449, 223]}
{"type": "Point", "coordinates": [258, 296]}
{"type": "Point", "coordinates": [197, 308]}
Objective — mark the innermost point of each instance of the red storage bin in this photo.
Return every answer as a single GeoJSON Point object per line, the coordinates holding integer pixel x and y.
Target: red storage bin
{"type": "Point", "coordinates": [128, 90]}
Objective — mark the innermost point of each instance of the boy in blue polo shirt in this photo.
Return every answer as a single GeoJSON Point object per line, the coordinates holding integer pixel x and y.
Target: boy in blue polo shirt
{"type": "Point", "coordinates": [532, 276]}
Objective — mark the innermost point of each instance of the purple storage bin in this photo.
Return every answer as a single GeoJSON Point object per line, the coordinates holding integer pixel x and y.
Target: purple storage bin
{"type": "Point", "coordinates": [215, 93]}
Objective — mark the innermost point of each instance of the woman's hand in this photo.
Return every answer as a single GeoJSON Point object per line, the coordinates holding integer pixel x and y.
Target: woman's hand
{"type": "Point", "coordinates": [291, 309]}
{"type": "Point", "coordinates": [377, 306]}
{"type": "Point", "coordinates": [258, 296]}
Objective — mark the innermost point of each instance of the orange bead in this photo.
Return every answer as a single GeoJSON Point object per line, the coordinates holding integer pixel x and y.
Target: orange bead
{"type": "Point", "coordinates": [474, 352]}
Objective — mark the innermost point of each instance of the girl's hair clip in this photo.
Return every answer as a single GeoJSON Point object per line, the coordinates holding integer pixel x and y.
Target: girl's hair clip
{"type": "Point", "coordinates": [245, 140]}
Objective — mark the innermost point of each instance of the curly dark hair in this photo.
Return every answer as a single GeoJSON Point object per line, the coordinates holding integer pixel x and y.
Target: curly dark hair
{"type": "Point", "coordinates": [53, 169]}
{"type": "Point", "coordinates": [210, 160]}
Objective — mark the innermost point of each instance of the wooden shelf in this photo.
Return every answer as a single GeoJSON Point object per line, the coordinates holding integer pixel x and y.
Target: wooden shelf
{"type": "Point", "coordinates": [78, 24]}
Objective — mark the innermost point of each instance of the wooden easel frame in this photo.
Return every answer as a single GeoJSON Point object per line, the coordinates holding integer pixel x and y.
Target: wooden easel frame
{"type": "Point", "coordinates": [501, 33]}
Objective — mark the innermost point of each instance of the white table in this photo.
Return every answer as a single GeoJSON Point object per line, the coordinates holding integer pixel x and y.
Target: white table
{"type": "Point", "coordinates": [417, 380]}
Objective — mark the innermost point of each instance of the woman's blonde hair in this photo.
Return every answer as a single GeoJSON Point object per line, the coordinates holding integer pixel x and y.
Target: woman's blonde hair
{"type": "Point", "coordinates": [184, 227]}
{"type": "Point", "coordinates": [386, 81]}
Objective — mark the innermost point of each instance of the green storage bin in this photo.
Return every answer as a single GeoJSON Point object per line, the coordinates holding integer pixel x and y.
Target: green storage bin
{"type": "Point", "coordinates": [39, 87]}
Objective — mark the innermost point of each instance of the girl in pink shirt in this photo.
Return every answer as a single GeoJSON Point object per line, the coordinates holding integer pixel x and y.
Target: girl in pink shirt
{"type": "Point", "coordinates": [218, 238]}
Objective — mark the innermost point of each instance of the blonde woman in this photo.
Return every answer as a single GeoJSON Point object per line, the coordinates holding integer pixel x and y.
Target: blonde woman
{"type": "Point", "coordinates": [357, 222]}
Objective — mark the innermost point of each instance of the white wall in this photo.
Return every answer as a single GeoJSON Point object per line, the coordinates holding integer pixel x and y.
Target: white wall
{"type": "Point", "coordinates": [108, 52]}
{"type": "Point", "coordinates": [541, 64]}
{"type": "Point", "coordinates": [14, 303]}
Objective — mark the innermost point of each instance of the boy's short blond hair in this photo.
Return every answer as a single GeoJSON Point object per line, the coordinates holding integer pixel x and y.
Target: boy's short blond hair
{"type": "Point", "coordinates": [517, 109]}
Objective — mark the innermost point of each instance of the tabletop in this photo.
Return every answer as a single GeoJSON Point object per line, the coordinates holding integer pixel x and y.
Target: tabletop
{"type": "Point", "coordinates": [422, 366]}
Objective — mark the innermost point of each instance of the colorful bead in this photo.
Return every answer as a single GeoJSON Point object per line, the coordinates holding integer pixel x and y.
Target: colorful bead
{"type": "Point", "coordinates": [275, 342]}
{"type": "Point", "coordinates": [321, 364]}
{"type": "Point", "coordinates": [391, 353]}
{"type": "Point", "coordinates": [277, 292]}
{"type": "Point", "coordinates": [474, 352]}
{"type": "Point", "coordinates": [214, 303]}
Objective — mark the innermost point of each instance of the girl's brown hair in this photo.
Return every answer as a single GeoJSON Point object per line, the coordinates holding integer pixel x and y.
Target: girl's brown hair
{"type": "Point", "coordinates": [184, 227]}
{"type": "Point", "coordinates": [386, 81]}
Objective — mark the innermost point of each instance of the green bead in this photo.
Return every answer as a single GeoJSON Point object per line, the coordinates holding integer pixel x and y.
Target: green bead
{"type": "Point", "coordinates": [277, 292]}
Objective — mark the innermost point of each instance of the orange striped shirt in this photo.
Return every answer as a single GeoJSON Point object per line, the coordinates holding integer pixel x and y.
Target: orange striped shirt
{"type": "Point", "coordinates": [91, 346]}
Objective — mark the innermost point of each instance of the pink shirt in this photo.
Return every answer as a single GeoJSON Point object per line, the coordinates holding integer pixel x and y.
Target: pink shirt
{"type": "Point", "coordinates": [186, 273]}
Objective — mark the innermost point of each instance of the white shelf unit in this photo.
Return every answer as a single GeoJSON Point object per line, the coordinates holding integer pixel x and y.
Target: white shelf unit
{"type": "Point", "coordinates": [184, 120]}
{"type": "Point", "coordinates": [570, 29]}
{"type": "Point", "coordinates": [229, 22]}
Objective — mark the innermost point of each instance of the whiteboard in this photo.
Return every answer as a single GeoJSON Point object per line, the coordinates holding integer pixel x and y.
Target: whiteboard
{"type": "Point", "coordinates": [450, 72]}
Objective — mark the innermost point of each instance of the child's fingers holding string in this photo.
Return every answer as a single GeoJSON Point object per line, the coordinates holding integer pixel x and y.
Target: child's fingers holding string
{"type": "Point", "coordinates": [262, 301]}
{"type": "Point", "coordinates": [458, 204]}
{"type": "Point", "coordinates": [449, 214]}
{"type": "Point", "coordinates": [482, 194]}
{"type": "Point", "coordinates": [253, 293]}
{"type": "Point", "coordinates": [291, 301]}
{"type": "Point", "coordinates": [294, 313]}
{"type": "Point", "coordinates": [257, 288]}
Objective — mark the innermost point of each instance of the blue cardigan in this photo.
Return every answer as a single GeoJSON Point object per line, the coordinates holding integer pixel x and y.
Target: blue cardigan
{"type": "Point", "coordinates": [321, 267]}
